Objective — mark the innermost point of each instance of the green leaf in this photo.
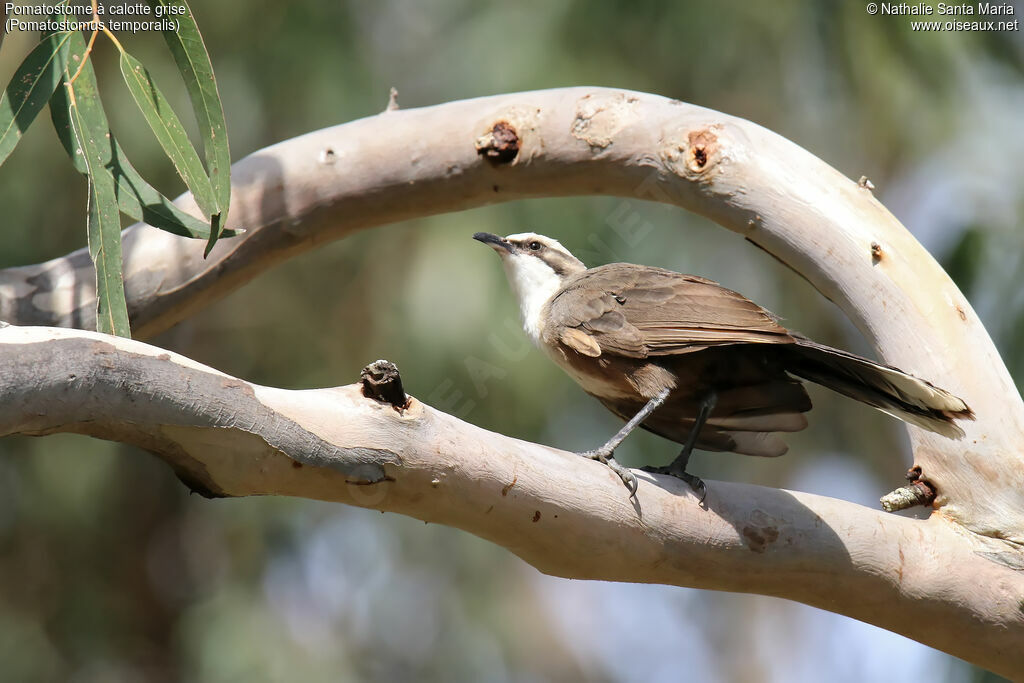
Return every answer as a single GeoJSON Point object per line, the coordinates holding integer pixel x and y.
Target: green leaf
{"type": "Point", "coordinates": [105, 249]}
{"type": "Point", "coordinates": [93, 139]}
{"type": "Point", "coordinates": [92, 147]}
{"type": "Point", "coordinates": [30, 88]}
{"type": "Point", "coordinates": [143, 202]}
{"type": "Point", "coordinates": [189, 50]}
{"type": "Point", "coordinates": [169, 133]}
{"type": "Point", "coordinates": [136, 197]}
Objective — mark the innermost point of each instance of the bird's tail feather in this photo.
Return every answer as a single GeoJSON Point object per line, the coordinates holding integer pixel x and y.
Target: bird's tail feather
{"type": "Point", "coordinates": [889, 389]}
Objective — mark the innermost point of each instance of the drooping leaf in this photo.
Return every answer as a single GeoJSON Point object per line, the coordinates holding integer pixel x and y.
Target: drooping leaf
{"type": "Point", "coordinates": [136, 197]}
{"type": "Point", "coordinates": [105, 248]}
{"type": "Point", "coordinates": [143, 202]}
{"type": "Point", "coordinates": [104, 221]}
{"type": "Point", "coordinates": [189, 50]}
{"type": "Point", "coordinates": [169, 132]}
{"type": "Point", "coordinates": [30, 88]}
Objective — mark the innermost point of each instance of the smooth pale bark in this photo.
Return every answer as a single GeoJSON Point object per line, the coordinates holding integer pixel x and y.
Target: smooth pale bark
{"type": "Point", "coordinates": [565, 515]}
{"type": "Point", "coordinates": [406, 163]}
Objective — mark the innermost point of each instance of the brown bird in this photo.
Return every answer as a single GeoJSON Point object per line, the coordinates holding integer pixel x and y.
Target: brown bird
{"type": "Point", "coordinates": [690, 360]}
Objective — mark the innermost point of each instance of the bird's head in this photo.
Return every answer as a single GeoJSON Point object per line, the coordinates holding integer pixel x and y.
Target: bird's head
{"type": "Point", "coordinates": [531, 258]}
{"type": "Point", "coordinates": [536, 266]}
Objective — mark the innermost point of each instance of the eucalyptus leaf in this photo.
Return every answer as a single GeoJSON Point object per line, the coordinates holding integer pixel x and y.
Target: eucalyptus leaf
{"type": "Point", "coordinates": [105, 248]}
{"type": "Point", "coordinates": [136, 198]}
{"type": "Point", "coordinates": [193, 60]}
{"type": "Point", "coordinates": [104, 221]}
{"type": "Point", "coordinates": [169, 132]}
{"type": "Point", "coordinates": [30, 88]}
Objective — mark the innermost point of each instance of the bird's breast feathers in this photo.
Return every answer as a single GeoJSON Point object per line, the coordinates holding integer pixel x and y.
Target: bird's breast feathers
{"type": "Point", "coordinates": [534, 284]}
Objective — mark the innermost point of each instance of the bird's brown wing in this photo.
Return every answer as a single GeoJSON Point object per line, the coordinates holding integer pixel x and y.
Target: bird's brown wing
{"type": "Point", "coordinates": [641, 311]}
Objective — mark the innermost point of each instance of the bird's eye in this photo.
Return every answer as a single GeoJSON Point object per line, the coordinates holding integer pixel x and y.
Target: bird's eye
{"type": "Point", "coordinates": [534, 245]}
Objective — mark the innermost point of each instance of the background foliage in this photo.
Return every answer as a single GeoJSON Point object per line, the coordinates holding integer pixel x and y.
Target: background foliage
{"type": "Point", "coordinates": [110, 570]}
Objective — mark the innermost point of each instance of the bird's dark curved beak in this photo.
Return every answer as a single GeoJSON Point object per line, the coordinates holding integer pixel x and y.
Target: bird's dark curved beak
{"type": "Point", "coordinates": [493, 241]}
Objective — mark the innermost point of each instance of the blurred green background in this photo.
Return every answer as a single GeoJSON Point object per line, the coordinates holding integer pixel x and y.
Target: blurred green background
{"type": "Point", "coordinates": [111, 571]}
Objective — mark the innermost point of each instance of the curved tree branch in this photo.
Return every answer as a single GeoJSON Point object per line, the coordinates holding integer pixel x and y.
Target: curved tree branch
{"type": "Point", "coordinates": [962, 566]}
{"type": "Point", "coordinates": [406, 163]}
{"type": "Point", "coordinates": [565, 515]}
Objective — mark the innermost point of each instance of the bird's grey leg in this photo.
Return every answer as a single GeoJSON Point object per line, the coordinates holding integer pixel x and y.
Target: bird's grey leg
{"type": "Point", "coordinates": [677, 468]}
{"type": "Point", "coordinates": [605, 452]}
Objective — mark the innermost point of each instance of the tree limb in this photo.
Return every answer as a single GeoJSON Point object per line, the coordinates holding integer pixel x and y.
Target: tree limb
{"type": "Point", "coordinates": [413, 162]}
{"type": "Point", "coordinates": [565, 515]}
{"type": "Point", "coordinates": [904, 575]}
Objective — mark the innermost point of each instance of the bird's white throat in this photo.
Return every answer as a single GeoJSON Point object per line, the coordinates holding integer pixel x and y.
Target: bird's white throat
{"type": "Point", "coordinates": [533, 282]}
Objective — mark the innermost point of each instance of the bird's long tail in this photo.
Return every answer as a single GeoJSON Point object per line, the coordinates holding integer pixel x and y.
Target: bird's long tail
{"type": "Point", "coordinates": [887, 388]}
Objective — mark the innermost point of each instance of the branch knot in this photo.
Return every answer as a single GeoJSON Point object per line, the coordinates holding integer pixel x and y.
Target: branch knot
{"type": "Point", "coordinates": [382, 383]}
